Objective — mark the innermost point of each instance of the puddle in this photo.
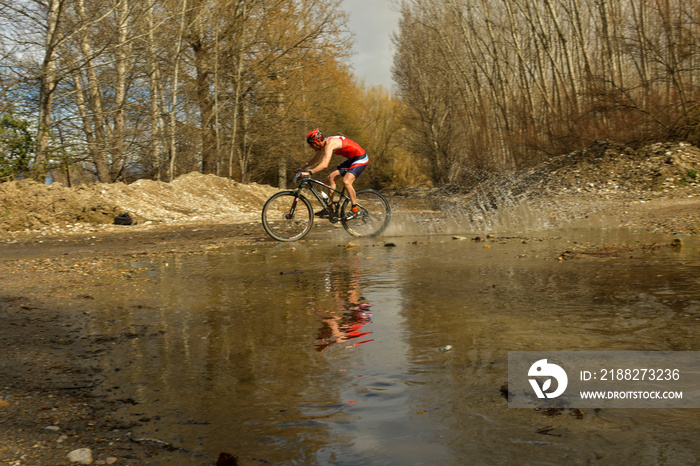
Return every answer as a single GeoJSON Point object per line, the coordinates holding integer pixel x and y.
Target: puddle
{"type": "Point", "coordinates": [315, 353]}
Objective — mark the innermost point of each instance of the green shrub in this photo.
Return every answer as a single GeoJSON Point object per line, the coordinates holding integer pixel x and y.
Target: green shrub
{"type": "Point", "coordinates": [17, 147]}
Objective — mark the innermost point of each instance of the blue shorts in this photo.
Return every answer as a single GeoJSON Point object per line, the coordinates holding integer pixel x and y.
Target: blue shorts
{"type": "Point", "coordinates": [355, 165]}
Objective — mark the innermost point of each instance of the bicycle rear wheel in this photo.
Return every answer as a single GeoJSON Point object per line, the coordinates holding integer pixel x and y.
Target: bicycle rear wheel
{"type": "Point", "coordinates": [286, 217]}
{"type": "Point", "coordinates": [374, 214]}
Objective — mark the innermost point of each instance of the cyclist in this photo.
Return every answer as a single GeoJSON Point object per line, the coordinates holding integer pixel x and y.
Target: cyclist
{"type": "Point", "coordinates": [356, 161]}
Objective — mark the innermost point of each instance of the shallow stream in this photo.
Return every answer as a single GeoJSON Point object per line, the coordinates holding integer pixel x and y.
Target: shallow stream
{"type": "Point", "coordinates": [325, 352]}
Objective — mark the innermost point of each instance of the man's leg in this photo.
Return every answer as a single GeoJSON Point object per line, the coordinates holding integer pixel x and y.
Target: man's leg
{"type": "Point", "coordinates": [332, 180]}
{"type": "Point", "coordinates": [355, 169]}
{"type": "Point", "coordinates": [348, 180]}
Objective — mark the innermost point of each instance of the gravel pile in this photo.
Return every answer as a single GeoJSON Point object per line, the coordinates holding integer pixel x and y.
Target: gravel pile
{"type": "Point", "coordinates": [607, 167]}
{"type": "Point", "coordinates": [192, 198]}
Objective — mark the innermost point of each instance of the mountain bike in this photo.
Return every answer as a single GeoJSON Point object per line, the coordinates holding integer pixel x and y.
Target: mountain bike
{"type": "Point", "coordinates": [289, 216]}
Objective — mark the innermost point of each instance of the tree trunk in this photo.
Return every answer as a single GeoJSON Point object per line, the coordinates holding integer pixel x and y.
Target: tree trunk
{"type": "Point", "coordinates": [173, 109]}
{"type": "Point", "coordinates": [118, 158]}
{"type": "Point", "coordinates": [238, 87]}
{"type": "Point", "coordinates": [94, 100]}
{"type": "Point", "coordinates": [202, 88]}
{"type": "Point", "coordinates": [47, 85]}
{"type": "Point", "coordinates": [156, 95]}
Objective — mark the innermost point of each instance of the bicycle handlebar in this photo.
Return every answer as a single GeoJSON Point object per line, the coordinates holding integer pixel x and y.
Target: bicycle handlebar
{"type": "Point", "coordinates": [299, 175]}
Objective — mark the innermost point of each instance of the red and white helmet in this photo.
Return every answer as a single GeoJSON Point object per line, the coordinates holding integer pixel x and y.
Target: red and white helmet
{"type": "Point", "coordinates": [315, 137]}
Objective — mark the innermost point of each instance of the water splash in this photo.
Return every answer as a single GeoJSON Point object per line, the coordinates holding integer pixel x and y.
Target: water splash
{"type": "Point", "coordinates": [498, 206]}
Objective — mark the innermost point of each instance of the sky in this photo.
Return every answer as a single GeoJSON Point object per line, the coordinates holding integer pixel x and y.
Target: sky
{"type": "Point", "coordinates": [372, 22]}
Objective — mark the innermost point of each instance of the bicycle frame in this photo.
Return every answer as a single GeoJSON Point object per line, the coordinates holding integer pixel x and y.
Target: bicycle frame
{"type": "Point", "coordinates": [309, 184]}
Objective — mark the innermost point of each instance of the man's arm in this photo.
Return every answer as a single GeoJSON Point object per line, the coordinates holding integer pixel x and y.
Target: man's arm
{"type": "Point", "coordinates": [313, 160]}
{"type": "Point", "coordinates": [327, 151]}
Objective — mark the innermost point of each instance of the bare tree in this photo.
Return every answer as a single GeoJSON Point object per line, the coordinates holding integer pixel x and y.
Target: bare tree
{"type": "Point", "coordinates": [541, 78]}
{"type": "Point", "coordinates": [123, 47]}
{"type": "Point", "coordinates": [175, 87]}
{"type": "Point", "coordinates": [157, 106]}
{"type": "Point", "coordinates": [37, 25]}
{"type": "Point", "coordinates": [145, 88]}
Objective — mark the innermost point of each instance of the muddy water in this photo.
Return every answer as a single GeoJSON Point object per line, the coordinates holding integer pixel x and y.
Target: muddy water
{"type": "Point", "coordinates": [319, 353]}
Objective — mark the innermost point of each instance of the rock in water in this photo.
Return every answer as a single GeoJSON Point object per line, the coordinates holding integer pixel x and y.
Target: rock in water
{"type": "Point", "coordinates": [227, 459]}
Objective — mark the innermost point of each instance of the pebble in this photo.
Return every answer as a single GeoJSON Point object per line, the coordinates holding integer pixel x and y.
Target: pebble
{"type": "Point", "coordinates": [80, 456]}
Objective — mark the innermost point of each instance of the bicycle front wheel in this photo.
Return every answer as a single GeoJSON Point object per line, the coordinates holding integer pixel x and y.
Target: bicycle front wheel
{"type": "Point", "coordinates": [373, 217]}
{"type": "Point", "coordinates": [286, 217]}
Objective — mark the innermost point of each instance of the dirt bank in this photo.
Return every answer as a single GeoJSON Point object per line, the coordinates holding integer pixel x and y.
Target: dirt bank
{"type": "Point", "coordinates": [59, 248]}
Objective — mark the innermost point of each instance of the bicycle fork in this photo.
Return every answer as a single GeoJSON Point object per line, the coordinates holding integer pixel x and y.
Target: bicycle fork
{"type": "Point", "coordinates": [290, 214]}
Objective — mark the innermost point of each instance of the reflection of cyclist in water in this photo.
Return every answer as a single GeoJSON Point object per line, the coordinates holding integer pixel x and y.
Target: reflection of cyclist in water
{"type": "Point", "coordinates": [345, 323]}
